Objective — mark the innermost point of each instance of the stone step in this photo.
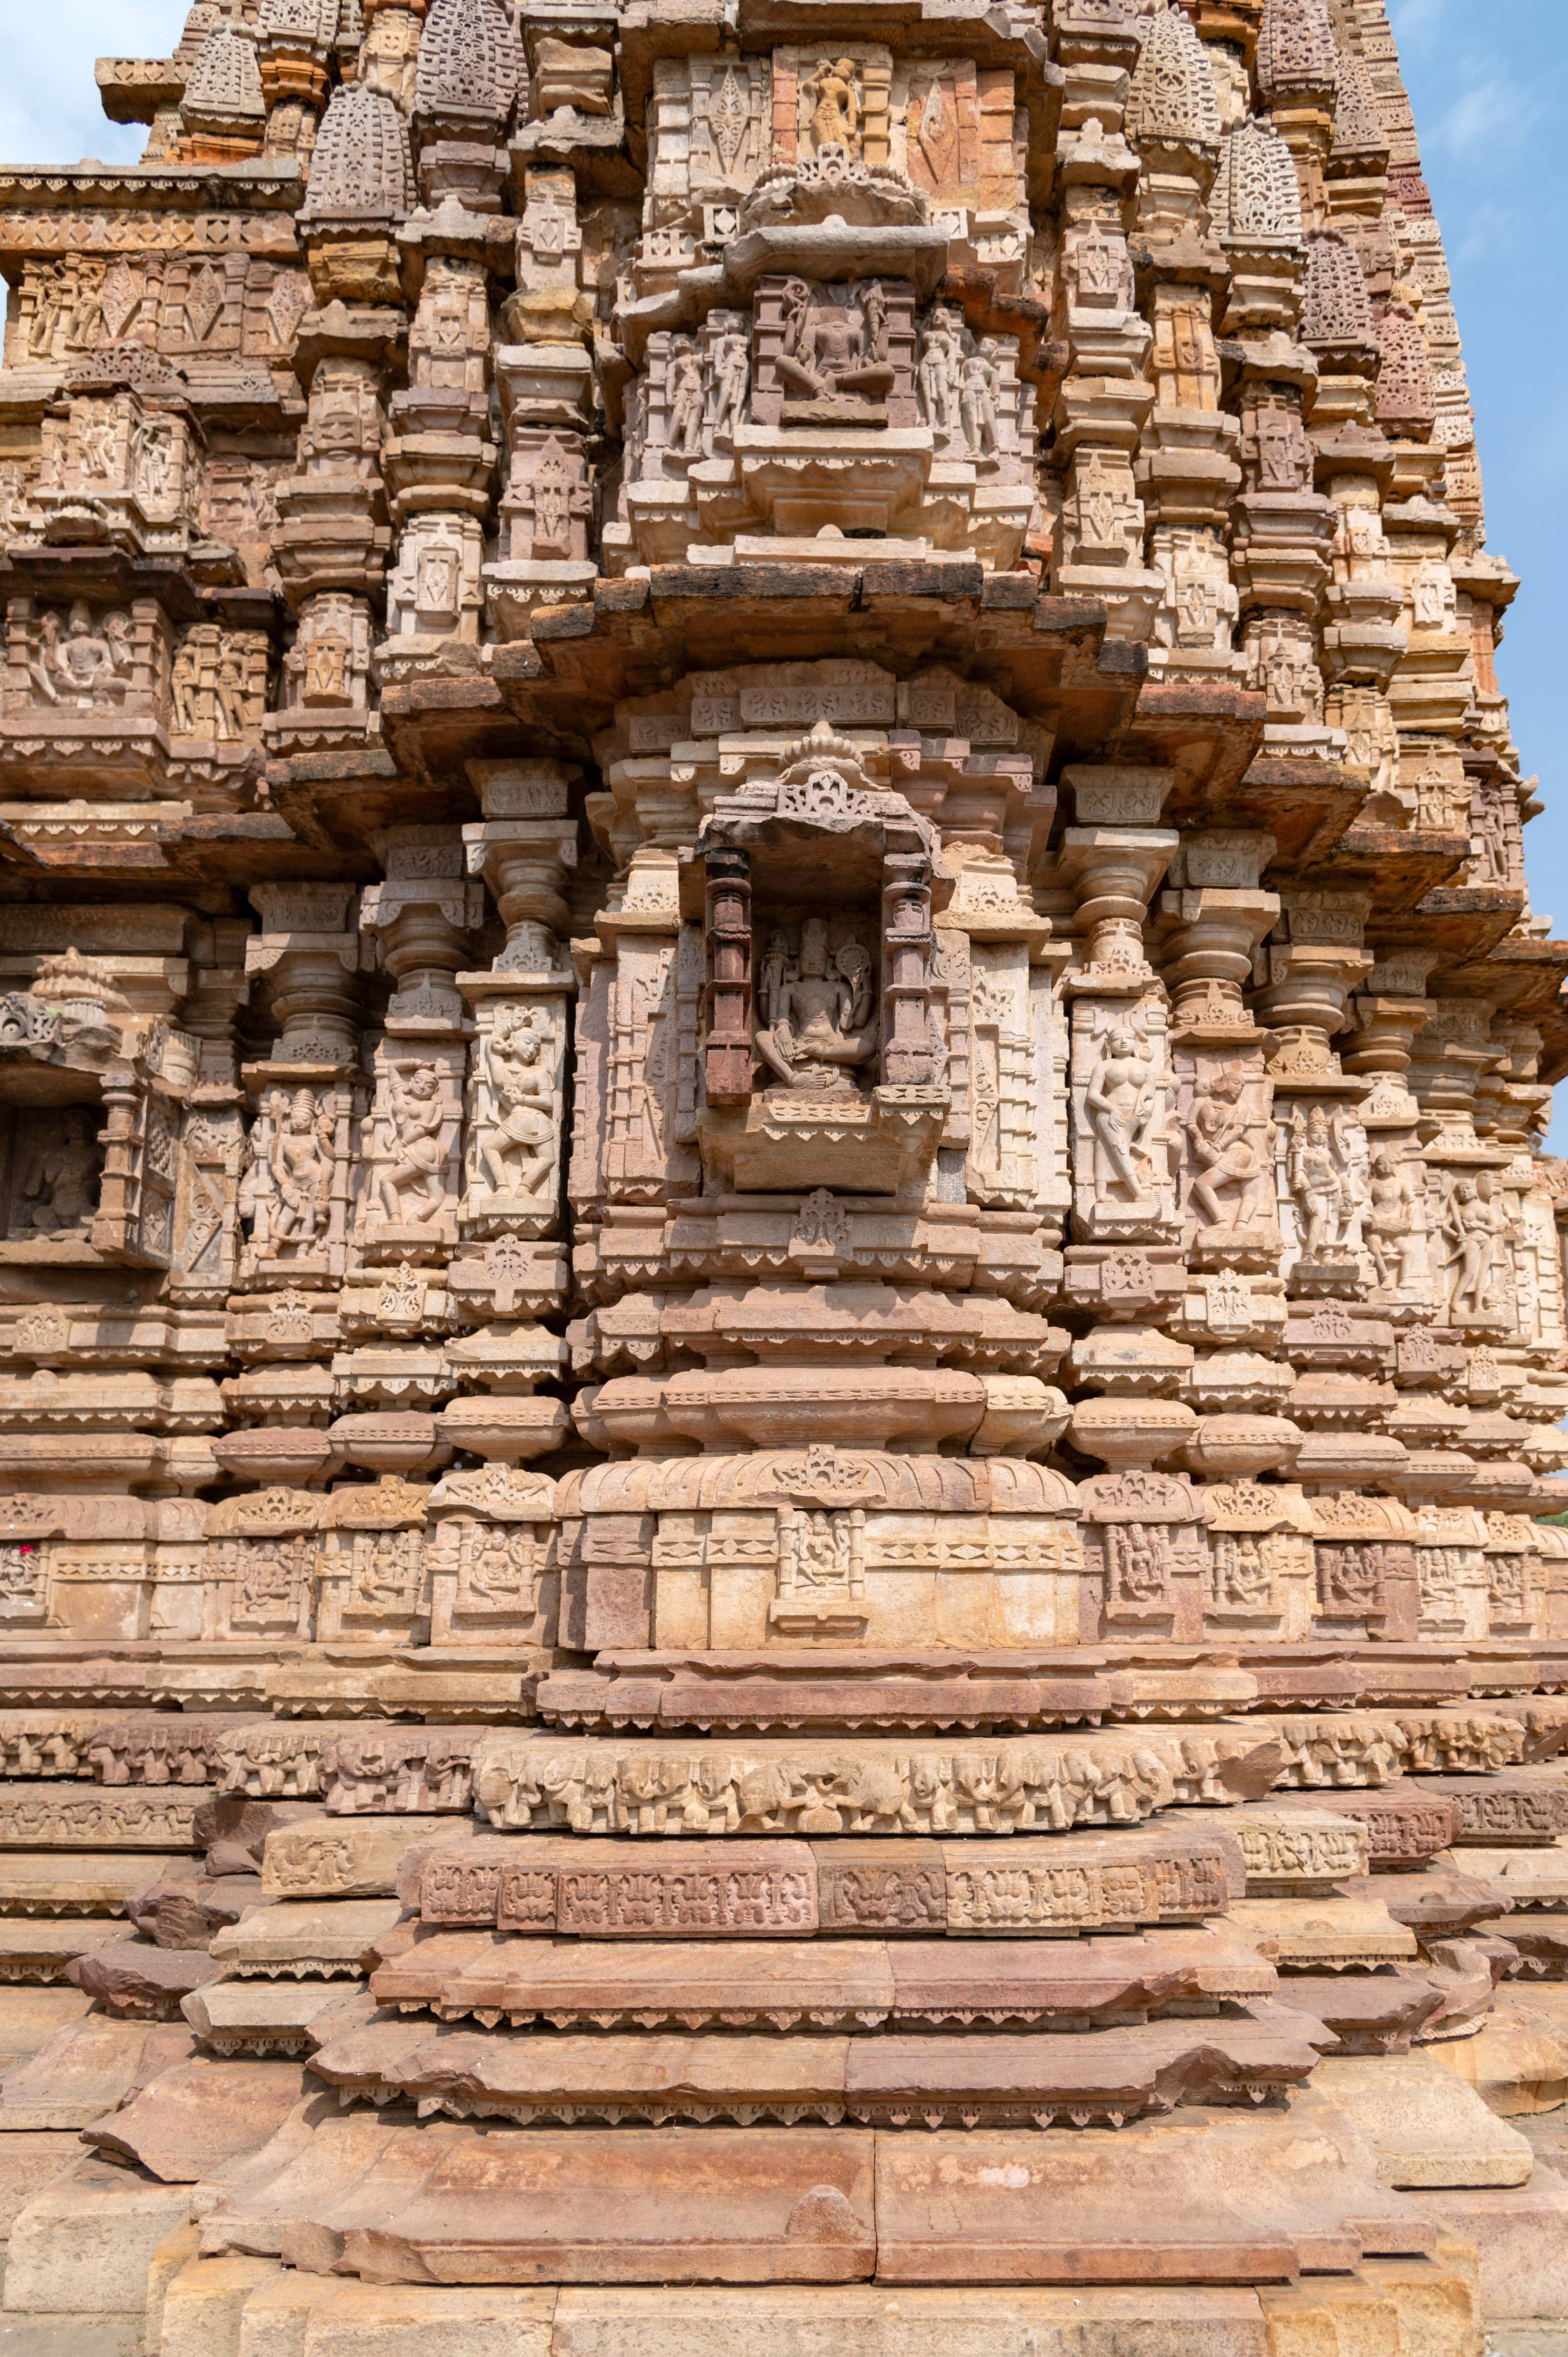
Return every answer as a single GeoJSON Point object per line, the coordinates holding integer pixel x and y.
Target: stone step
{"type": "Point", "coordinates": [827, 1983]}
{"type": "Point", "coordinates": [1520, 1804]}
{"type": "Point", "coordinates": [1204, 2196]}
{"type": "Point", "coordinates": [86, 2067]}
{"type": "Point", "coordinates": [304, 1940]}
{"type": "Point", "coordinates": [291, 2311]}
{"type": "Point", "coordinates": [1405, 1822]}
{"type": "Point", "coordinates": [37, 1948]}
{"type": "Point", "coordinates": [923, 2082]}
{"type": "Point", "coordinates": [1323, 1935]}
{"type": "Point", "coordinates": [263, 2017]}
{"type": "Point", "coordinates": [1426, 2126]}
{"type": "Point", "coordinates": [135, 1981]}
{"type": "Point", "coordinates": [198, 2115]}
{"type": "Point", "coordinates": [1538, 1939]}
{"type": "Point", "coordinates": [1370, 2013]}
{"type": "Point", "coordinates": [348, 1857]}
{"type": "Point", "coordinates": [1530, 1876]}
{"type": "Point", "coordinates": [30, 2017]}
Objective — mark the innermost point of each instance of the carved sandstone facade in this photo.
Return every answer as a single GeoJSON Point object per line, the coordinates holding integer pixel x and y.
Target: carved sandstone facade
{"type": "Point", "coordinates": [783, 1324]}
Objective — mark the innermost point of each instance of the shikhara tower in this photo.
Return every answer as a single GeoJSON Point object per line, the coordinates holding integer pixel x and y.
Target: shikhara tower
{"type": "Point", "coordinates": [780, 1323]}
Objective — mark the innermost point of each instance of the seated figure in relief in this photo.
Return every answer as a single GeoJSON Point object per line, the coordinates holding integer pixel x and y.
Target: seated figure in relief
{"type": "Point", "coordinates": [816, 1026]}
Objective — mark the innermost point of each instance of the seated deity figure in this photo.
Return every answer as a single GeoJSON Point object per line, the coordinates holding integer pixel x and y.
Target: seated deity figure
{"type": "Point", "coordinates": [817, 1025]}
{"type": "Point", "coordinates": [60, 1185]}
{"type": "Point", "coordinates": [827, 354]}
{"type": "Point", "coordinates": [85, 666]}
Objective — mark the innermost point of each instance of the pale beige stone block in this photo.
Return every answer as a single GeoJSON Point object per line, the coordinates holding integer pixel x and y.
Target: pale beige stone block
{"type": "Point", "coordinates": [1437, 2298]}
{"type": "Point", "coordinates": [1330, 2317]}
{"type": "Point", "coordinates": [176, 2251]}
{"type": "Point", "coordinates": [275, 2317]}
{"type": "Point", "coordinates": [868, 2321]}
{"type": "Point", "coordinates": [1521, 2237]}
{"type": "Point", "coordinates": [204, 2303]}
{"type": "Point", "coordinates": [29, 2161]}
{"type": "Point", "coordinates": [1516, 2061]}
{"type": "Point", "coordinates": [1426, 2126]}
{"type": "Point", "coordinates": [412, 2319]}
{"type": "Point", "coordinates": [82, 2247]}
{"type": "Point", "coordinates": [30, 2017]}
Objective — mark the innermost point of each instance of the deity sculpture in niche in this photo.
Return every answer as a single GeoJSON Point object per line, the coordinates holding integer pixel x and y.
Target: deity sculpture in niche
{"type": "Point", "coordinates": [81, 665]}
{"type": "Point", "coordinates": [217, 685]}
{"type": "Point", "coordinates": [1325, 1169]}
{"type": "Point", "coordinates": [1125, 1105]}
{"type": "Point", "coordinates": [833, 94]}
{"type": "Point", "coordinates": [497, 1568]}
{"type": "Point", "coordinates": [1350, 1580]}
{"type": "Point", "coordinates": [816, 1025]}
{"type": "Point", "coordinates": [385, 1573]}
{"type": "Point", "coordinates": [516, 1116]}
{"type": "Point", "coordinates": [940, 367]}
{"type": "Point", "coordinates": [687, 403]}
{"type": "Point", "coordinates": [412, 1185]}
{"type": "Point", "coordinates": [730, 348]}
{"type": "Point", "coordinates": [56, 1191]}
{"type": "Point", "coordinates": [1242, 1575]}
{"type": "Point", "coordinates": [287, 1183]}
{"type": "Point", "coordinates": [977, 400]}
{"type": "Point", "coordinates": [1396, 1223]}
{"type": "Point", "coordinates": [1475, 1228]}
{"type": "Point", "coordinates": [1496, 855]}
{"type": "Point", "coordinates": [267, 1591]}
{"type": "Point", "coordinates": [1229, 1188]}
{"type": "Point", "coordinates": [828, 353]}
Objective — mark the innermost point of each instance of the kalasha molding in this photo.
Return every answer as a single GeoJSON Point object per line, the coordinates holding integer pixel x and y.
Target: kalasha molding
{"type": "Point", "coordinates": [784, 1330]}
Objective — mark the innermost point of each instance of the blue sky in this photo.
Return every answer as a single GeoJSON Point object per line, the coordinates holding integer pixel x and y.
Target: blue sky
{"type": "Point", "coordinates": [1490, 92]}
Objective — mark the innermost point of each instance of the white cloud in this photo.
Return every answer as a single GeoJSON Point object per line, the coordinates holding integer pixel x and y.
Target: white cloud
{"type": "Point", "coordinates": [1488, 114]}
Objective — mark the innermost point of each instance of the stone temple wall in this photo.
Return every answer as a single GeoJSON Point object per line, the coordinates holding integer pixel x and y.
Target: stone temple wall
{"type": "Point", "coordinates": [772, 1236]}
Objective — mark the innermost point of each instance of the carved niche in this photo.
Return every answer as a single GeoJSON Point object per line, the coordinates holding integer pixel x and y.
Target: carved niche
{"type": "Point", "coordinates": [1260, 1564]}
{"type": "Point", "coordinates": [258, 1567]}
{"type": "Point", "coordinates": [1145, 1562]}
{"type": "Point", "coordinates": [293, 1198]}
{"type": "Point", "coordinates": [373, 1582]}
{"type": "Point", "coordinates": [1366, 1567]}
{"type": "Point", "coordinates": [1223, 1111]}
{"type": "Point", "coordinates": [846, 1071]}
{"type": "Point", "coordinates": [491, 1559]}
{"type": "Point", "coordinates": [1124, 1137]}
{"type": "Point", "coordinates": [412, 1152]}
